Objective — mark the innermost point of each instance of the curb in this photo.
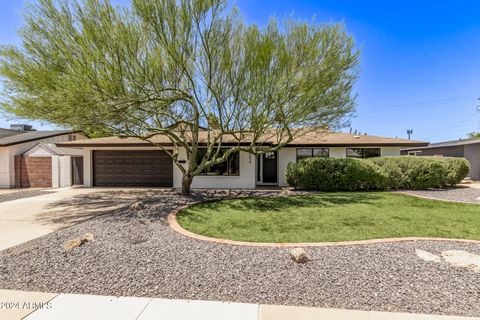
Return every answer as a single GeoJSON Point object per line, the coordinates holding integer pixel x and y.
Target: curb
{"type": "Point", "coordinates": [172, 221]}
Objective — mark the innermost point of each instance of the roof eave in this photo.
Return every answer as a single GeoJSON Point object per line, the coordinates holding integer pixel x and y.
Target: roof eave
{"type": "Point", "coordinates": [38, 138]}
{"type": "Point", "coordinates": [293, 145]}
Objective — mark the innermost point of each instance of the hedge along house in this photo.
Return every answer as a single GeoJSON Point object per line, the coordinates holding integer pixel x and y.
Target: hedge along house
{"type": "Point", "coordinates": [19, 167]}
{"type": "Point", "coordinates": [468, 149]}
{"type": "Point", "coordinates": [131, 162]}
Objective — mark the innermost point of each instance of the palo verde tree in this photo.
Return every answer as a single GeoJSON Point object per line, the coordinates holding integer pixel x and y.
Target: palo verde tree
{"type": "Point", "coordinates": [190, 70]}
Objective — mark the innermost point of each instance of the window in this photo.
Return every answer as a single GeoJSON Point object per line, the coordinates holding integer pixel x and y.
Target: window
{"type": "Point", "coordinates": [363, 153]}
{"type": "Point", "coordinates": [269, 155]}
{"type": "Point", "coordinates": [415, 153]}
{"type": "Point", "coordinates": [230, 167]}
{"type": "Point", "coordinates": [312, 152]}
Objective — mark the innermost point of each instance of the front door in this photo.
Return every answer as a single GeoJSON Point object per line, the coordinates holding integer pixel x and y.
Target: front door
{"type": "Point", "coordinates": [267, 168]}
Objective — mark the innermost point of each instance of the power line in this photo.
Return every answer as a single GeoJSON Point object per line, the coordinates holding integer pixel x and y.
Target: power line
{"type": "Point", "coordinates": [454, 126]}
{"type": "Point", "coordinates": [429, 102]}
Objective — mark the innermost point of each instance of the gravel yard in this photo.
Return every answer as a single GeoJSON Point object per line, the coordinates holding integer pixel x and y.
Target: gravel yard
{"type": "Point", "coordinates": [10, 195]}
{"type": "Point", "coordinates": [137, 254]}
{"type": "Point", "coordinates": [459, 194]}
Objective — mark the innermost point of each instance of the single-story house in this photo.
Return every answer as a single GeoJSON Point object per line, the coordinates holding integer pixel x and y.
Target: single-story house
{"type": "Point", "coordinates": [29, 158]}
{"type": "Point", "coordinates": [127, 161]}
{"type": "Point", "coordinates": [463, 148]}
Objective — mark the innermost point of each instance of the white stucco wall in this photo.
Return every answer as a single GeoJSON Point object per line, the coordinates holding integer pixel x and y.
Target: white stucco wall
{"type": "Point", "coordinates": [87, 168]}
{"type": "Point", "coordinates": [61, 171]}
{"type": "Point", "coordinates": [7, 157]}
{"type": "Point", "coordinates": [285, 156]}
{"type": "Point", "coordinates": [4, 167]}
{"type": "Point", "coordinates": [246, 179]}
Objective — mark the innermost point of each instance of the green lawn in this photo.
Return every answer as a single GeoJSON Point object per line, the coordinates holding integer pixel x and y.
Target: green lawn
{"type": "Point", "coordinates": [332, 217]}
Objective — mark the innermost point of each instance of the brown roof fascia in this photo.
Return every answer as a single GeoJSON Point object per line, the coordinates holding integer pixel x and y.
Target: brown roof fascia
{"type": "Point", "coordinates": [33, 139]}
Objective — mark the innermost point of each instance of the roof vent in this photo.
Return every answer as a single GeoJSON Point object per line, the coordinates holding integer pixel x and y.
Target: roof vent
{"type": "Point", "coordinates": [22, 127]}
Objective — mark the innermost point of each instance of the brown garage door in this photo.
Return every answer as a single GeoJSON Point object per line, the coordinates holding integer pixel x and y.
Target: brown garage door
{"type": "Point", "coordinates": [132, 168]}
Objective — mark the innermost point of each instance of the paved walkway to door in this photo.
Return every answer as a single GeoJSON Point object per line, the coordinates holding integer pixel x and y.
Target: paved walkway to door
{"type": "Point", "coordinates": [28, 218]}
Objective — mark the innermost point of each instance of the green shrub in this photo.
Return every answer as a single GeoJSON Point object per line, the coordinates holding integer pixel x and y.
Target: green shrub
{"type": "Point", "coordinates": [422, 172]}
{"type": "Point", "coordinates": [329, 174]}
{"type": "Point", "coordinates": [412, 172]}
{"type": "Point", "coordinates": [346, 174]}
{"type": "Point", "coordinates": [457, 170]}
{"type": "Point", "coordinates": [292, 174]}
{"type": "Point", "coordinates": [395, 177]}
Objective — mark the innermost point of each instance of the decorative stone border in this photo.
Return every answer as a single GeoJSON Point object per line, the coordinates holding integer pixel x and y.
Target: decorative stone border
{"type": "Point", "coordinates": [172, 220]}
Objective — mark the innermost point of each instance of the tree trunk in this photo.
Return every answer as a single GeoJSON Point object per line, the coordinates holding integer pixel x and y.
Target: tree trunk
{"type": "Point", "coordinates": [186, 183]}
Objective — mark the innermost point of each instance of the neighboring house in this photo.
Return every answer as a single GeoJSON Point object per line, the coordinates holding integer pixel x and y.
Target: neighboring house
{"type": "Point", "coordinates": [23, 165]}
{"type": "Point", "coordinates": [468, 149]}
{"type": "Point", "coordinates": [117, 161]}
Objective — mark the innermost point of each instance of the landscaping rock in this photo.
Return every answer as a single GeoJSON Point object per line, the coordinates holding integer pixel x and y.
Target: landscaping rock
{"type": "Point", "coordinates": [88, 237]}
{"type": "Point", "coordinates": [427, 256]}
{"type": "Point", "coordinates": [299, 255]}
{"type": "Point", "coordinates": [73, 243]}
{"type": "Point", "coordinates": [77, 242]}
{"type": "Point", "coordinates": [137, 206]}
{"type": "Point", "coordinates": [467, 195]}
{"type": "Point", "coordinates": [462, 259]}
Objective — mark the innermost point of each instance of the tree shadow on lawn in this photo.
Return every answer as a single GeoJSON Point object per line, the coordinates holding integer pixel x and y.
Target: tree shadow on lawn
{"type": "Point", "coordinates": [278, 204]}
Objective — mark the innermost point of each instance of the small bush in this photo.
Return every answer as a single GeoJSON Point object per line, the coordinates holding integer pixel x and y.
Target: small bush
{"type": "Point", "coordinates": [346, 174]}
{"type": "Point", "coordinates": [457, 170]}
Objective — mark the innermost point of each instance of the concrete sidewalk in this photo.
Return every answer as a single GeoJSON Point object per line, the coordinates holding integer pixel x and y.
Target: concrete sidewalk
{"type": "Point", "coordinates": [16, 305]}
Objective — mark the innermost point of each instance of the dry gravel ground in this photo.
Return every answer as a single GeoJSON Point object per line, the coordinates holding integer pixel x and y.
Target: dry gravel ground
{"type": "Point", "coordinates": [137, 254]}
{"type": "Point", "coordinates": [10, 195]}
{"type": "Point", "coordinates": [458, 194]}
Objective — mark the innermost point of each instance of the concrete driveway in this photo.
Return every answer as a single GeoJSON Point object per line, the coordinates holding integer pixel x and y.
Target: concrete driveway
{"type": "Point", "coordinates": [25, 219]}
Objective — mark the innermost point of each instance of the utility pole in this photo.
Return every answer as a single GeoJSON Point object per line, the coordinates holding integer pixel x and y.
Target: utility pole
{"type": "Point", "coordinates": [409, 132]}
{"type": "Point", "coordinates": [478, 111]}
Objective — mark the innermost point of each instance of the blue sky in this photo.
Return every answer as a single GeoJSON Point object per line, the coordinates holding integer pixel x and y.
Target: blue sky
{"type": "Point", "coordinates": [419, 64]}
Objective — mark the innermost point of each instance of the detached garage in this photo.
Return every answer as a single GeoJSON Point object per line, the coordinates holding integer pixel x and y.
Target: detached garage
{"type": "Point", "coordinates": [132, 168]}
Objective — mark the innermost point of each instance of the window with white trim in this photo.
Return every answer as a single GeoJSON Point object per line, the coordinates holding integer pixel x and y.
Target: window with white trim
{"type": "Point", "coordinates": [363, 153]}
{"type": "Point", "coordinates": [312, 152]}
{"type": "Point", "coordinates": [230, 167]}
